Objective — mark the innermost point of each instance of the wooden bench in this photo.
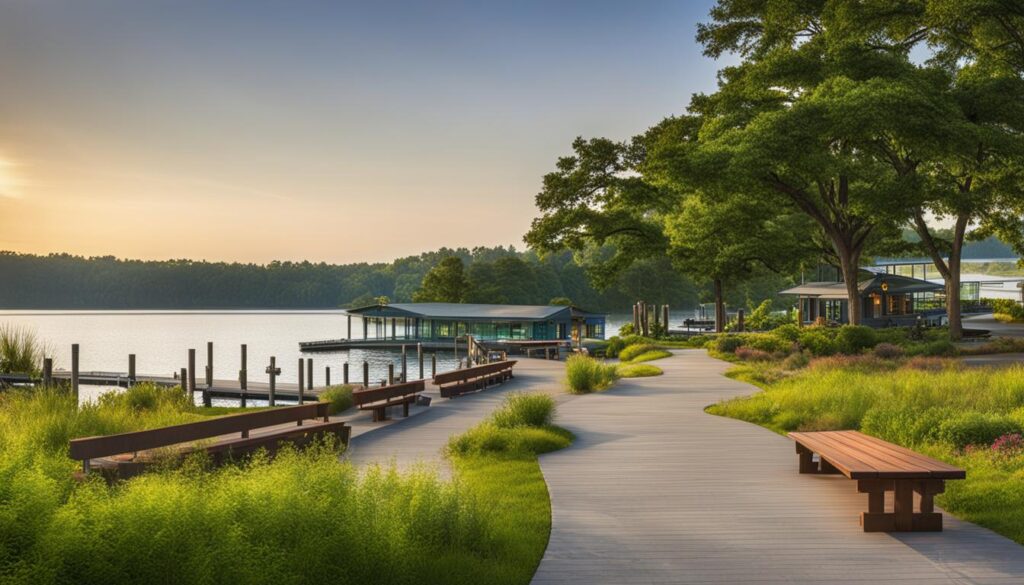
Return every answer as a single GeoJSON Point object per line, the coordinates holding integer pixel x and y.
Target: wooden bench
{"type": "Point", "coordinates": [127, 454]}
{"type": "Point", "coordinates": [381, 398]}
{"type": "Point", "coordinates": [880, 467]}
{"type": "Point", "coordinates": [466, 380]}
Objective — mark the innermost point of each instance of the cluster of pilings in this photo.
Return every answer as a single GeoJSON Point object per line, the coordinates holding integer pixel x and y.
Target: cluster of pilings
{"type": "Point", "coordinates": [647, 319]}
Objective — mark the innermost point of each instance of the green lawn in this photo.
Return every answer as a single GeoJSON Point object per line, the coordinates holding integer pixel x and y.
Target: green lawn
{"type": "Point", "coordinates": [972, 418]}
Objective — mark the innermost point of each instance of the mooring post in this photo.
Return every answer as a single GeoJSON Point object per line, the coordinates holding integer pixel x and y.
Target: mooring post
{"type": "Point", "coordinates": [433, 365]}
{"type": "Point", "coordinates": [393, 321]}
{"type": "Point", "coordinates": [302, 382]}
{"type": "Point", "coordinates": [344, 373]}
{"type": "Point", "coordinates": [419, 358]}
{"type": "Point", "coordinates": [366, 374]}
{"type": "Point", "coordinates": [327, 377]}
{"type": "Point", "coordinates": [191, 374]}
{"type": "Point", "coordinates": [47, 372]}
{"type": "Point", "coordinates": [273, 371]}
{"type": "Point", "coordinates": [131, 369]}
{"type": "Point", "coordinates": [405, 365]}
{"type": "Point", "coordinates": [184, 381]}
{"type": "Point", "coordinates": [209, 364]}
{"type": "Point", "coordinates": [391, 373]}
{"type": "Point", "coordinates": [664, 317]}
{"type": "Point", "coordinates": [243, 376]}
{"type": "Point", "coordinates": [349, 319]}
{"type": "Point", "coordinates": [309, 373]}
{"type": "Point", "coordinates": [74, 371]}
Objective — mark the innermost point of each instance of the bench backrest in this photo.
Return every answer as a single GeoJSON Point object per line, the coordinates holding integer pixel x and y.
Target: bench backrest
{"type": "Point", "coordinates": [473, 372]}
{"type": "Point", "coordinates": [91, 447]}
{"type": "Point", "coordinates": [368, 395]}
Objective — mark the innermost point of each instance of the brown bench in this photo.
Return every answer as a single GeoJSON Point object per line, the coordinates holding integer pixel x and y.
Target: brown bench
{"type": "Point", "coordinates": [456, 382]}
{"type": "Point", "coordinates": [127, 454]}
{"type": "Point", "coordinates": [383, 397]}
{"type": "Point", "coordinates": [880, 467]}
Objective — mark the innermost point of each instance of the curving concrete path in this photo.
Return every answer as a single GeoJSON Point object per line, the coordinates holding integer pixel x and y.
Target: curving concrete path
{"type": "Point", "coordinates": [654, 490]}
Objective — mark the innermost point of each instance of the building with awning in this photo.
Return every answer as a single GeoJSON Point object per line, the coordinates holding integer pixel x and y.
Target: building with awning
{"type": "Point", "coordinates": [886, 300]}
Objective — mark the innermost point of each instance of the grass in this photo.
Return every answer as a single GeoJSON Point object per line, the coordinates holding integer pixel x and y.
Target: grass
{"type": "Point", "coordinates": [637, 370]}
{"type": "Point", "coordinates": [497, 461]}
{"type": "Point", "coordinates": [973, 418]}
{"type": "Point", "coordinates": [650, 356]}
{"type": "Point", "coordinates": [339, 397]}
{"type": "Point", "coordinates": [301, 517]}
{"type": "Point", "coordinates": [21, 351]}
{"type": "Point", "coordinates": [585, 374]}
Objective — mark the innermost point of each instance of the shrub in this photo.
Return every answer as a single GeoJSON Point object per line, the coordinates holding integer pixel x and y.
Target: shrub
{"type": "Point", "coordinates": [339, 397]}
{"type": "Point", "coordinates": [147, 397]}
{"type": "Point", "coordinates": [614, 346]}
{"type": "Point", "coordinates": [855, 338]}
{"type": "Point", "coordinates": [637, 370]}
{"type": "Point", "coordinates": [749, 354]}
{"type": "Point", "coordinates": [941, 347]}
{"type": "Point", "coordinates": [888, 351]}
{"type": "Point", "coordinates": [976, 428]}
{"type": "Point", "coordinates": [633, 351]}
{"type": "Point", "coordinates": [650, 356]}
{"type": "Point", "coordinates": [529, 410]}
{"type": "Point", "coordinates": [1009, 308]}
{"type": "Point", "coordinates": [585, 374]}
{"type": "Point", "coordinates": [728, 343]}
{"type": "Point", "coordinates": [904, 424]}
{"type": "Point", "coordinates": [790, 332]}
{"type": "Point", "coordinates": [627, 329]}
{"type": "Point", "coordinates": [1012, 443]}
{"type": "Point", "coordinates": [796, 361]}
{"type": "Point", "coordinates": [817, 342]}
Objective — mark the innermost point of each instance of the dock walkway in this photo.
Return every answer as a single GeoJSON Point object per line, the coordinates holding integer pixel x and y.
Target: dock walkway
{"type": "Point", "coordinates": [655, 490]}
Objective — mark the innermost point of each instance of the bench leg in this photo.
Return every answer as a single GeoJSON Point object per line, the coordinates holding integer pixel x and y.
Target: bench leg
{"type": "Point", "coordinates": [902, 518]}
{"type": "Point", "coordinates": [807, 462]}
{"type": "Point", "coordinates": [405, 409]}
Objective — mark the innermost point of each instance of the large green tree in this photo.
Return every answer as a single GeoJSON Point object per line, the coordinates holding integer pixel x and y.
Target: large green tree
{"type": "Point", "coordinates": [445, 283]}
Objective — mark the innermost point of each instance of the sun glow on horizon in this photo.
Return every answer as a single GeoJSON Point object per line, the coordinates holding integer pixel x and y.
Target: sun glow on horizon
{"type": "Point", "coordinates": [9, 182]}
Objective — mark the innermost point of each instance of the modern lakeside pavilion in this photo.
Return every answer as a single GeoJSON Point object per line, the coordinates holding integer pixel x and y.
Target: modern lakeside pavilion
{"type": "Point", "coordinates": [446, 322]}
{"type": "Point", "coordinates": [886, 300]}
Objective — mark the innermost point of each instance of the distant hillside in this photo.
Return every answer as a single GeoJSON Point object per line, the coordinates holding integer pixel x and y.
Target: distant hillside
{"type": "Point", "coordinates": [989, 248]}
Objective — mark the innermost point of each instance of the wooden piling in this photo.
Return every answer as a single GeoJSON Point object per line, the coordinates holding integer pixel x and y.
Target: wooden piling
{"type": "Point", "coordinates": [243, 376]}
{"type": "Point", "coordinates": [47, 372]}
{"type": "Point", "coordinates": [131, 369]}
{"type": "Point", "coordinates": [366, 374]}
{"type": "Point", "coordinates": [209, 364]}
{"type": "Point", "coordinates": [433, 365]}
{"type": "Point", "coordinates": [405, 364]}
{"type": "Point", "coordinates": [349, 319]}
{"type": "Point", "coordinates": [309, 373]}
{"type": "Point", "coordinates": [664, 317]}
{"type": "Point", "coordinates": [191, 374]}
{"type": "Point", "coordinates": [184, 381]}
{"type": "Point", "coordinates": [272, 370]}
{"type": "Point", "coordinates": [74, 371]}
{"type": "Point", "coordinates": [391, 374]}
{"type": "Point", "coordinates": [302, 381]}
{"type": "Point", "coordinates": [327, 377]}
{"type": "Point", "coordinates": [419, 358]}
{"type": "Point", "coordinates": [344, 373]}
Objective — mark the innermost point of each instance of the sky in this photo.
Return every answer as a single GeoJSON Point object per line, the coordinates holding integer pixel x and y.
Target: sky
{"type": "Point", "coordinates": [325, 131]}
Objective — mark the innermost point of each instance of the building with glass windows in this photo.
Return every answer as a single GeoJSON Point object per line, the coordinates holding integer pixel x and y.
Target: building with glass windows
{"type": "Point", "coordinates": [886, 300]}
{"type": "Point", "coordinates": [448, 321]}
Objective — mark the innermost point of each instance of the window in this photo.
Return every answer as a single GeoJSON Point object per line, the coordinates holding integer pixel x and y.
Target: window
{"type": "Point", "coordinates": [833, 310]}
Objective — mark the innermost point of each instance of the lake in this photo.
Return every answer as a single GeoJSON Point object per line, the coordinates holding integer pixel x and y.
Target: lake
{"type": "Point", "coordinates": [161, 340]}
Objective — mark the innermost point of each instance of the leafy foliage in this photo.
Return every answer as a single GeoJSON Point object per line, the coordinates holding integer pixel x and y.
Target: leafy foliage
{"type": "Point", "coordinates": [585, 374]}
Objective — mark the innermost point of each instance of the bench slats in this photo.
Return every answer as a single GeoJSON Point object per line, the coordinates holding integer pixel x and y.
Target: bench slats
{"type": "Point", "coordinates": [473, 372]}
{"type": "Point", "coordinates": [386, 393]}
{"type": "Point", "coordinates": [859, 456]}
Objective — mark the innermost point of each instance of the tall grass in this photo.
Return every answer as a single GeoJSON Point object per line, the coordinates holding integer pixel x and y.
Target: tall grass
{"type": "Point", "coordinates": [964, 416]}
{"type": "Point", "coordinates": [585, 374]}
{"type": "Point", "coordinates": [299, 518]}
{"type": "Point", "coordinates": [21, 351]}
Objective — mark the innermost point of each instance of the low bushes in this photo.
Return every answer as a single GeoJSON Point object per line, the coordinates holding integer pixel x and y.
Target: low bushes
{"type": "Point", "coordinates": [1007, 310]}
{"type": "Point", "coordinates": [649, 356]}
{"type": "Point", "coordinates": [631, 352]}
{"type": "Point", "coordinates": [520, 427]}
{"type": "Point", "coordinates": [585, 374]}
{"type": "Point", "coordinates": [525, 410]}
{"type": "Point", "coordinates": [637, 370]}
{"type": "Point", "coordinates": [21, 351]}
{"type": "Point", "coordinates": [339, 398]}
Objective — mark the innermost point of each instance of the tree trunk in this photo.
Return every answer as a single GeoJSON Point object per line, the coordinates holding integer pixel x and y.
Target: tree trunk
{"type": "Point", "coordinates": [719, 307]}
{"type": "Point", "coordinates": [849, 264]}
{"type": "Point", "coordinates": [953, 308]}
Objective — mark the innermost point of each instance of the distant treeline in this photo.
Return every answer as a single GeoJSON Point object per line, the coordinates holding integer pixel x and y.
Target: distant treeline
{"type": "Point", "coordinates": [496, 275]}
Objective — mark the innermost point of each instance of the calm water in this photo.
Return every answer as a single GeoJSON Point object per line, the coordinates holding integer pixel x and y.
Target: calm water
{"type": "Point", "coordinates": [161, 340]}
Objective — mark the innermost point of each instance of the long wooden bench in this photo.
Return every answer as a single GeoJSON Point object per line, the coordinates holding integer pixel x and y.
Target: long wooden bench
{"type": "Point", "coordinates": [880, 467]}
{"type": "Point", "coordinates": [381, 398]}
{"type": "Point", "coordinates": [127, 454]}
{"type": "Point", "coordinates": [472, 379]}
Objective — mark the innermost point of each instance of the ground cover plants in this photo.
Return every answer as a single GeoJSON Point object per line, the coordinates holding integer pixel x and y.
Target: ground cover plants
{"type": "Point", "coordinates": [303, 516]}
{"type": "Point", "coordinates": [637, 370]}
{"type": "Point", "coordinates": [584, 374]}
{"type": "Point", "coordinates": [970, 417]}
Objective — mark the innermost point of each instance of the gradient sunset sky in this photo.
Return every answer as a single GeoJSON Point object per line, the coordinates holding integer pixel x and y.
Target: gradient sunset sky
{"type": "Point", "coordinates": [327, 131]}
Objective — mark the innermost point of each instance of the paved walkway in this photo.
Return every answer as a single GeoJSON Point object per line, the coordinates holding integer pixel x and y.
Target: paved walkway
{"type": "Point", "coordinates": [654, 490]}
{"type": "Point", "coordinates": [421, 437]}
